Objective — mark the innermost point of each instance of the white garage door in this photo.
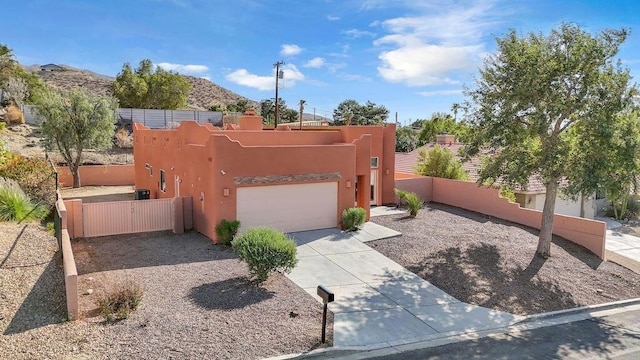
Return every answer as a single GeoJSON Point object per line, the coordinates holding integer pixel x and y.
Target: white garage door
{"type": "Point", "coordinates": [288, 207]}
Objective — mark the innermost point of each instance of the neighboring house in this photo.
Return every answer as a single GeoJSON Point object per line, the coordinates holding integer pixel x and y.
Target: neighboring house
{"type": "Point", "coordinates": [51, 67]}
{"type": "Point", "coordinates": [532, 198]}
{"type": "Point", "coordinates": [288, 179]}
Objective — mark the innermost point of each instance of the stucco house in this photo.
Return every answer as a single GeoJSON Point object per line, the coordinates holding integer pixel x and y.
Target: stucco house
{"type": "Point", "coordinates": [532, 198]}
{"type": "Point", "coordinates": [285, 178]}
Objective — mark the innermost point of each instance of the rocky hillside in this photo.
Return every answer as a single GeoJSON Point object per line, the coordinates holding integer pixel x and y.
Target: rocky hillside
{"type": "Point", "coordinates": [203, 92]}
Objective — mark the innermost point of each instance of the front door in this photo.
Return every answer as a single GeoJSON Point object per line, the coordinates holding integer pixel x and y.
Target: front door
{"type": "Point", "coordinates": [374, 187]}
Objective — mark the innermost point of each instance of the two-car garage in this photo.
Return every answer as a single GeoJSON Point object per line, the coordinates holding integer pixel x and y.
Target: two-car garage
{"type": "Point", "coordinates": [288, 208]}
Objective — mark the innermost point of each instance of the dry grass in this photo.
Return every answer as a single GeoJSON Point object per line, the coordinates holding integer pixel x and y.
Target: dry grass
{"type": "Point", "coordinates": [118, 302]}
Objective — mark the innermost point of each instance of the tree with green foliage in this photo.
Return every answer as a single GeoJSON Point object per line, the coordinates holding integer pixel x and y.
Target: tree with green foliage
{"type": "Point", "coordinates": [440, 162]}
{"type": "Point", "coordinates": [544, 105]}
{"type": "Point", "coordinates": [145, 88]}
{"type": "Point", "coordinates": [268, 108]}
{"type": "Point", "coordinates": [74, 121]}
{"type": "Point", "coordinates": [17, 84]}
{"type": "Point", "coordinates": [352, 113]}
{"type": "Point", "coordinates": [440, 123]}
{"type": "Point", "coordinates": [621, 167]}
{"type": "Point", "coordinates": [217, 108]}
{"type": "Point", "coordinates": [406, 139]}
{"type": "Point", "coordinates": [289, 115]}
{"type": "Point", "coordinates": [239, 106]}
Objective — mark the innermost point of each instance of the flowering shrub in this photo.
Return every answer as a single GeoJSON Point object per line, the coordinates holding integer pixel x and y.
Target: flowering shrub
{"type": "Point", "coordinates": [34, 176]}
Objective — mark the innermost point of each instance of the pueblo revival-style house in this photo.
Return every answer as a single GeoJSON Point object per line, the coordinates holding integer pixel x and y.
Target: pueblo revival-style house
{"type": "Point", "coordinates": [287, 178]}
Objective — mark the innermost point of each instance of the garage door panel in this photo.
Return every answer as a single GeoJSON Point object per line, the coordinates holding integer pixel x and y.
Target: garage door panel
{"type": "Point", "coordinates": [288, 207]}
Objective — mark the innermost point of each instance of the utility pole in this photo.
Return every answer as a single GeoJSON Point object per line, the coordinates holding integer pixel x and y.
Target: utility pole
{"type": "Point", "coordinates": [301, 111]}
{"type": "Point", "coordinates": [279, 75]}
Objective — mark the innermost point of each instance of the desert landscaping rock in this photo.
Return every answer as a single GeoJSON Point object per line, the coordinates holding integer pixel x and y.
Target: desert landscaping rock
{"type": "Point", "coordinates": [489, 262]}
{"type": "Point", "coordinates": [197, 302]}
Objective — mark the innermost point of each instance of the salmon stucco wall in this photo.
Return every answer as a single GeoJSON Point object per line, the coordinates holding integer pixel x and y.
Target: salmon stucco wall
{"type": "Point", "coordinates": [421, 185]}
{"type": "Point", "coordinates": [467, 195]}
{"type": "Point", "coordinates": [96, 175]}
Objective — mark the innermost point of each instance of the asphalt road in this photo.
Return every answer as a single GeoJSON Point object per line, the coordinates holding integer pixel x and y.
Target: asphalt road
{"type": "Point", "coordinates": [610, 337]}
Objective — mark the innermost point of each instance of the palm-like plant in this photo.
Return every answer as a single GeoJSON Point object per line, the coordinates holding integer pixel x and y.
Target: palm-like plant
{"type": "Point", "coordinates": [16, 206]}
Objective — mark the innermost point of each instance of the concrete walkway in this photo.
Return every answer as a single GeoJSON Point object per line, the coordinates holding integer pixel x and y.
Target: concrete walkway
{"type": "Point", "coordinates": [377, 301]}
{"type": "Point", "coordinates": [621, 248]}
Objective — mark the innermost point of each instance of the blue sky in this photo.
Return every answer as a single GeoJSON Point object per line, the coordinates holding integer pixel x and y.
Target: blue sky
{"type": "Point", "coordinates": [412, 56]}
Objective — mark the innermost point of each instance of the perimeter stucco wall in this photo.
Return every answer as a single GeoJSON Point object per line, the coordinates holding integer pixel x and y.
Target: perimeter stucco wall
{"type": "Point", "coordinates": [96, 175]}
{"type": "Point", "coordinates": [421, 185]}
{"type": "Point", "coordinates": [209, 164]}
{"type": "Point", "coordinates": [467, 195]}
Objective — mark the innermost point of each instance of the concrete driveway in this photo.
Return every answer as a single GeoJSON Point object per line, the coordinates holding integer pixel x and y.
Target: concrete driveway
{"type": "Point", "coordinates": [377, 301]}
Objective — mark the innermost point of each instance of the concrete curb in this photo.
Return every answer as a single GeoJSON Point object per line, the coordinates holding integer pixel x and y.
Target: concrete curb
{"type": "Point", "coordinates": [524, 323]}
{"type": "Point", "coordinates": [580, 310]}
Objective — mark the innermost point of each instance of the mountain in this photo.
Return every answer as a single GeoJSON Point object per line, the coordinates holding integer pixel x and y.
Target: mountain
{"type": "Point", "coordinates": [203, 94]}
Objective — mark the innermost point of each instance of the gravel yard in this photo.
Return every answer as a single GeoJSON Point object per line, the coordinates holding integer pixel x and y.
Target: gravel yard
{"type": "Point", "coordinates": [490, 262]}
{"type": "Point", "coordinates": [197, 302]}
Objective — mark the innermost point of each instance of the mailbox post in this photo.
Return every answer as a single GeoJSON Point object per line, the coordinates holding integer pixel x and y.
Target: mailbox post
{"type": "Point", "coordinates": [327, 297]}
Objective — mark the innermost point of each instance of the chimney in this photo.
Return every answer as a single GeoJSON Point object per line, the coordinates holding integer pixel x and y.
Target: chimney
{"type": "Point", "coordinates": [445, 139]}
{"type": "Point", "coordinates": [250, 121]}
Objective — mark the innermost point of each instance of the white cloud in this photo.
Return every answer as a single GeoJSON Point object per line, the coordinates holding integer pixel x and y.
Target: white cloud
{"type": "Point", "coordinates": [333, 18]}
{"type": "Point", "coordinates": [418, 64]}
{"type": "Point", "coordinates": [355, 77]}
{"type": "Point", "coordinates": [265, 83]}
{"type": "Point", "coordinates": [290, 50]}
{"type": "Point", "coordinates": [184, 69]}
{"type": "Point", "coordinates": [243, 77]}
{"type": "Point", "coordinates": [333, 67]}
{"type": "Point", "coordinates": [440, 92]}
{"type": "Point", "coordinates": [316, 62]}
{"type": "Point", "coordinates": [355, 33]}
{"type": "Point", "coordinates": [291, 75]}
{"type": "Point", "coordinates": [429, 49]}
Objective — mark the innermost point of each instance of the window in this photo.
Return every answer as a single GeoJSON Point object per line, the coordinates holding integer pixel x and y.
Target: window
{"type": "Point", "coordinates": [150, 168]}
{"type": "Point", "coordinates": [374, 162]}
{"type": "Point", "coordinates": [163, 183]}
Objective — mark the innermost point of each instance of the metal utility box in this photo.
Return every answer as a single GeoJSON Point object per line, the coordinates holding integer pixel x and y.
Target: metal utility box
{"type": "Point", "coordinates": [142, 194]}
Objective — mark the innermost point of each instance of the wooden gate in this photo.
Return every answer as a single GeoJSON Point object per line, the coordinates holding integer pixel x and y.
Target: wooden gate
{"type": "Point", "coordinates": [126, 217]}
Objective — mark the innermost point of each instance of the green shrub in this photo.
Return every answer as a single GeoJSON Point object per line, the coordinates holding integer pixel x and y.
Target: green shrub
{"type": "Point", "coordinates": [51, 228]}
{"type": "Point", "coordinates": [119, 302]}
{"type": "Point", "coordinates": [508, 194]}
{"type": "Point", "coordinates": [265, 250]}
{"type": "Point", "coordinates": [353, 218]}
{"type": "Point", "coordinates": [16, 206]}
{"type": "Point", "coordinates": [629, 210]}
{"type": "Point", "coordinates": [414, 203]}
{"type": "Point", "coordinates": [440, 162]}
{"type": "Point", "coordinates": [402, 196]}
{"type": "Point", "coordinates": [34, 176]}
{"type": "Point", "coordinates": [226, 230]}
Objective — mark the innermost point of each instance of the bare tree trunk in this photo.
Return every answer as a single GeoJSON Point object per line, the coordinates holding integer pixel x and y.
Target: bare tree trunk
{"type": "Point", "coordinates": [546, 228]}
{"type": "Point", "coordinates": [75, 172]}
